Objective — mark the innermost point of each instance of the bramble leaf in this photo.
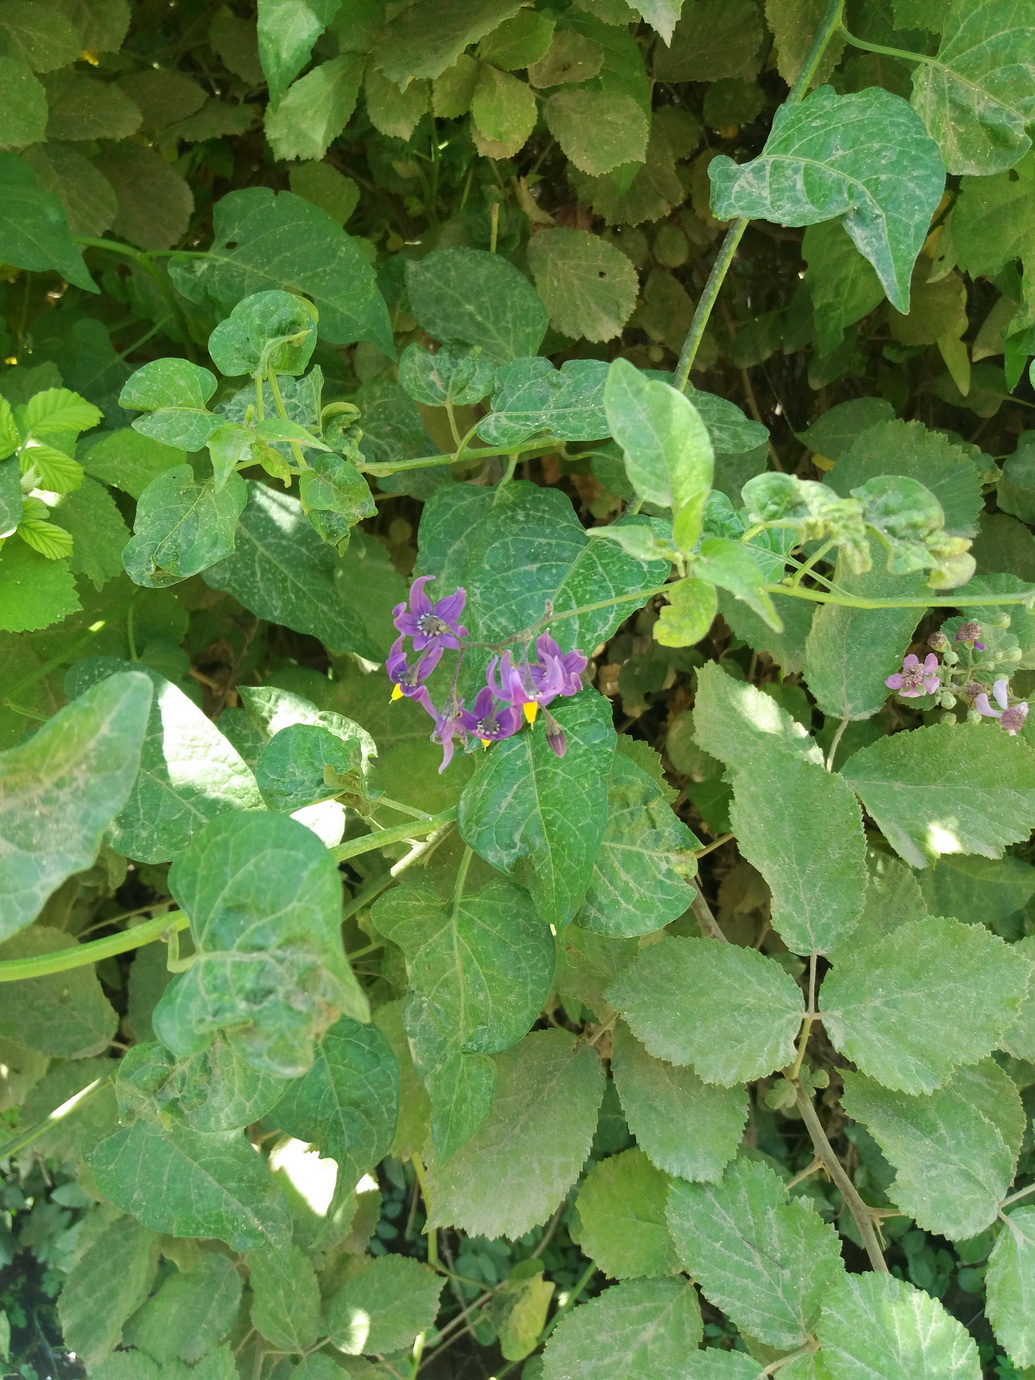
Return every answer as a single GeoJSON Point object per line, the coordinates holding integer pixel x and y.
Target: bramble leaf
{"type": "Point", "coordinates": [589, 286]}
{"type": "Point", "coordinates": [285, 1304]}
{"type": "Point", "coordinates": [109, 1282]}
{"type": "Point", "coordinates": [645, 1329]}
{"type": "Point", "coordinates": [383, 1306]}
{"type": "Point", "coordinates": [620, 1216]}
{"type": "Point", "coordinates": [1010, 1285]}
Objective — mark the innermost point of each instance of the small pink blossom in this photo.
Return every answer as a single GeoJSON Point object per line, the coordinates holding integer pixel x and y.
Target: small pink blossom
{"type": "Point", "coordinates": [1011, 716]}
{"type": "Point", "coordinates": [916, 678]}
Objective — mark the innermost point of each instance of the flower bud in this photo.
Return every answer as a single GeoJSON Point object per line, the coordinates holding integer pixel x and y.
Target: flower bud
{"type": "Point", "coordinates": [947, 699]}
{"type": "Point", "coordinates": [969, 633]}
{"type": "Point", "coordinates": [938, 642]}
{"type": "Point", "coordinates": [1011, 654]}
{"type": "Point", "coordinates": [555, 735]}
{"type": "Point", "coordinates": [951, 659]}
{"type": "Point", "coordinates": [1001, 620]}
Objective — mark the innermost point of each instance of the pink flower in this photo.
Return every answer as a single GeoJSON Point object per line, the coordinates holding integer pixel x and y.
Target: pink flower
{"type": "Point", "coordinates": [916, 678]}
{"type": "Point", "coordinates": [1011, 717]}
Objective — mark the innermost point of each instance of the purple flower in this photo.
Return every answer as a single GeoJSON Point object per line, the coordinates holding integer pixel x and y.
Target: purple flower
{"type": "Point", "coordinates": [534, 684]}
{"type": "Point", "coordinates": [407, 680]}
{"type": "Point", "coordinates": [563, 669]}
{"type": "Point", "coordinates": [1011, 717]}
{"type": "Point", "coordinates": [555, 735]}
{"type": "Point", "coordinates": [449, 725]}
{"type": "Point", "coordinates": [431, 625]}
{"type": "Point", "coordinates": [488, 722]}
{"type": "Point", "coordinates": [969, 634]}
{"type": "Point", "coordinates": [916, 678]}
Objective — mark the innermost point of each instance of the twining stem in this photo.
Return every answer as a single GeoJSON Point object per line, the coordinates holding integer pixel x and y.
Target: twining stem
{"type": "Point", "coordinates": [398, 833]}
{"type": "Point", "coordinates": [855, 1205]}
{"type": "Point", "coordinates": [728, 248]}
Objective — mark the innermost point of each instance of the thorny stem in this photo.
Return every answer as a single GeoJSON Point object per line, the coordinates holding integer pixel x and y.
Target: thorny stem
{"type": "Point", "coordinates": [855, 1205]}
{"type": "Point", "coordinates": [728, 248]}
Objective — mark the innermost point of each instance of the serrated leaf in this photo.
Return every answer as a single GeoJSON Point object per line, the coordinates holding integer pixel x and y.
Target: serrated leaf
{"type": "Point", "coordinates": [668, 454]}
{"type": "Point", "coordinates": [83, 106]}
{"type": "Point", "coordinates": [714, 39]}
{"type": "Point", "coordinates": [325, 187]}
{"type": "Point", "coordinates": [190, 1312]}
{"type": "Point", "coordinates": [263, 241]}
{"type": "Point", "coordinates": [34, 231]}
{"type": "Point", "coordinates": [932, 995]}
{"type": "Point", "coordinates": [107, 1283]}
{"type": "Point", "coordinates": [864, 157]}
{"type": "Point", "coordinates": [589, 286]}
{"type": "Point", "coordinates": [188, 775]}
{"type": "Point", "coordinates": [876, 1327]}
{"type": "Point", "coordinates": [58, 410]}
{"type": "Point", "coordinates": [49, 540]}
{"type": "Point", "coordinates": [766, 1262]}
{"type": "Point", "coordinates": [504, 108]}
{"type": "Point", "coordinates": [61, 789]}
{"type": "Point", "coordinates": [38, 35]}
{"type": "Point", "coordinates": [730, 1012]}
{"type": "Point", "coordinates": [645, 1329]}
{"type": "Point", "coordinates": [638, 882]}
{"type": "Point", "coordinates": [93, 521]}
{"type": "Point", "coordinates": [620, 1211]}
{"type": "Point", "coordinates": [34, 592]}
{"type": "Point", "coordinates": [953, 1162]}
{"type": "Point", "coordinates": [65, 1014]}
{"type": "Point", "coordinates": [528, 1152]}
{"type": "Point", "coordinates": [1010, 1286]}
{"type": "Point", "coordinates": [985, 890]}
{"type": "Point", "coordinates": [479, 969]}
{"type": "Point", "coordinates": [947, 788]}
{"type": "Point", "coordinates": [264, 900]}
{"type": "Point", "coordinates": [23, 118]}
{"type": "Point", "coordinates": [51, 468]}
{"type": "Point", "coordinates": [978, 94]}
{"type": "Point", "coordinates": [425, 41]}
{"type": "Point", "coordinates": [802, 828]}
{"type": "Point", "coordinates": [1019, 1039]}
{"type": "Point", "coordinates": [597, 130]}
{"type": "Point", "coordinates": [175, 1180]}
{"type": "Point", "coordinates": [347, 1104]}
{"type": "Point", "coordinates": [285, 1304]}
{"type": "Point", "coordinates": [282, 571]}
{"type": "Point", "coordinates": [182, 527]}
{"type": "Point", "coordinates": [383, 1306]}
{"type": "Point", "coordinates": [528, 806]}
{"type": "Point", "coordinates": [315, 109]}
{"type": "Point", "coordinates": [685, 1126]}
{"type": "Point", "coordinates": [477, 298]}
{"type": "Point", "coordinates": [287, 30]}
{"type": "Point", "coordinates": [734, 721]}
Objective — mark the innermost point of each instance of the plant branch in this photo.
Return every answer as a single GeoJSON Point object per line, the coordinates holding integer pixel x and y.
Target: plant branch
{"type": "Point", "coordinates": [825, 1153]}
{"type": "Point", "coordinates": [80, 955]}
{"type": "Point", "coordinates": [32, 1133]}
{"type": "Point", "coordinates": [398, 833]}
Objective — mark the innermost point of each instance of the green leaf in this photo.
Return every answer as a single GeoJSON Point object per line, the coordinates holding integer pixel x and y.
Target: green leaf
{"type": "Point", "coordinates": [793, 24]}
{"type": "Point", "coordinates": [34, 592]}
{"type": "Point", "coordinates": [52, 468]}
{"type": "Point", "coordinates": [504, 108]}
{"type": "Point", "coordinates": [802, 828]}
{"type": "Point", "coordinates": [57, 410]}
{"type": "Point", "coordinates": [384, 1306]}
{"type": "Point", "coordinates": [315, 109]}
{"type": "Point", "coordinates": [395, 109]}
{"type": "Point", "coordinates": [597, 130]}
{"type": "Point", "coordinates": [287, 31]}
{"type": "Point", "coordinates": [978, 94]}
{"type": "Point", "coordinates": [325, 187]}
{"type": "Point", "coordinates": [571, 57]}
{"type": "Point", "coordinates": [347, 1104]}
{"type": "Point", "coordinates": [11, 498]}
{"type": "Point", "coordinates": [91, 517]}
{"type": "Point", "coordinates": [764, 1261]}
{"type": "Point", "coordinates": [689, 613]}
{"type": "Point", "coordinates": [282, 571]}
{"type": "Point", "coordinates": [285, 1303]}
{"type": "Point", "coordinates": [182, 527]}
{"type": "Point", "coordinates": [163, 97]}
{"type": "Point", "coordinates": [868, 160]}
{"type": "Point", "coordinates": [668, 455]}
{"type": "Point", "coordinates": [190, 1313]}
{"type": "Point", "coordinates": [932, 995]}
{"type": "Point", "coordinates": [34, 231]}
{"type": "Point", "coordinates": [479, 970]}
{"type": "Point", "coordinates": [109, 1281]}
{"type": "Point", "coordinates": [954, 1161]}
{"type": "Point", "coordinates": [269, 330]}
{"type": "Point", "coordinates": [1019, 1039]}
{"type": "Point", "coordinates": [978, 889]}
{"type": "Point", "coordinates": [426, 39]}
{"type": "Point", "coordinates": [127, 460]}
{"type": "Point", "coordinates": [188, 775]}
{"type": "Point", "coordinates": [527, 805]}
{"type": "Point", "coordinates": [61, 789]}
{"type": "Point", "coordinates": [519, 1309]}
{"type": "Point", "coordinates": [38, 35]}
{"type": "Point", "coordinates": [174, 392]}
{"type": "Point", "coordinates": [714, 39]}
{"type": "Point", "coordinates": [842, 285]}
{"type": "Point", "coordinates": [1010, 1286]}
{"type": "Point", "coordinates": [532, 396]}
{"type": "Point", "coordinates": [65, 1014]}
{"type": "Point", "coordinates": [477, 298]}
{"type": "Point", "coordinates": [589, 286]}
{"type": "Point", "coordinates": [638, 883]}
{"type": "Point", "coordinates": [734, 721]}
{"type": "Point", "coordinates": [88, 197]}
{"type": "Point", "coordinates": [177, 1181]}
{"type": "Point", "coordinates": [620, 1211]}
{"type": "Point", "coordinates": [335, 497]}
{"type": "Point", "coordinates": [214, 1090]}
{"type": "Point", "coordinates": [518, 42]}
{"type": "Point", "coordinates": [646, 1329]}
{"type": "Point", "coordinates": [685, 1126]}
{"type": "Point", "coordinates": [452, 375]}
{"type": "Point", "coordinates": [876, 1327]}
{"type": "Point", "coordinates": [730, 1012]}
{"type": "Point", "coordinates": [264, 900]}
{"type": "Point", "coordinates": [304, 763]}
{"type": "Point", "coordinates": [528, 1152]}
{"type": "Point", "coordinates": [947, 788]}
{"type": "Point", "coordinates": [83, 106]}
{"type": "Point", "coordinates": [155, 200]}
{"type": "Point", "coordinates": [732, 566]}
{"type": "Point", "coordinates": [23, 117]}
{"type": "Point", "coordinates": [263, 241]}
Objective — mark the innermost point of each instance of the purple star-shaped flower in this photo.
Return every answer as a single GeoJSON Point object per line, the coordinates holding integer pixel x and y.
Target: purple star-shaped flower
{"type": "Point", "coordinates": [533, 684]}
{"type": "Point", "coordinates": [431, 625]}
{"type": "Point", "coordinates": [916, 677]}
{"type": "Point", "coordinates": [449, 725]}
{"type": "Point", "coordinates": [1011, 716]}
{"type": "Point", "coordinates": [490, 722]}
{"type": "Point", "coordinates": [406, 679]}
{"type": "Point", "coordinates": [563, 669]}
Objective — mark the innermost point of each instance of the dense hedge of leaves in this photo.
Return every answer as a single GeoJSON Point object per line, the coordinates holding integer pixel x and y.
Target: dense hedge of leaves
{"type": "Point", "coordinates": [517, 609]}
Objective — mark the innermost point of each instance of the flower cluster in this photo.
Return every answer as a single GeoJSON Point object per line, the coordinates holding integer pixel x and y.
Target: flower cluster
{"type": "Point", "coordinates": [514, 690]}
{"type": "Point", "coordinates": [954, 683]}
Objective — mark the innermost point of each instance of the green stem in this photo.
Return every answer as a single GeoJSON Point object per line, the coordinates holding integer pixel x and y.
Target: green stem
{"type": "Point", "coordinates": [423, 462]}
{"type": "Point", "coordinates": [81, 955]}
{"type": "Point", "coordinates": [851, 601]}
{"type": "Point", "coordinates": [1015, 1197]}
{"type": "Point", "coordinates": [885, 50]}
{"type": "Point", "coordinates": [728, 248]}
{"type": "Point", "coordinates": [398, 833]}
{"type": "Point", "coordinates": [32, 1133]}
{"type": "Point", "coordinates": [278, 398]}
{"type": "Point", "coordinates": [162, 283]}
